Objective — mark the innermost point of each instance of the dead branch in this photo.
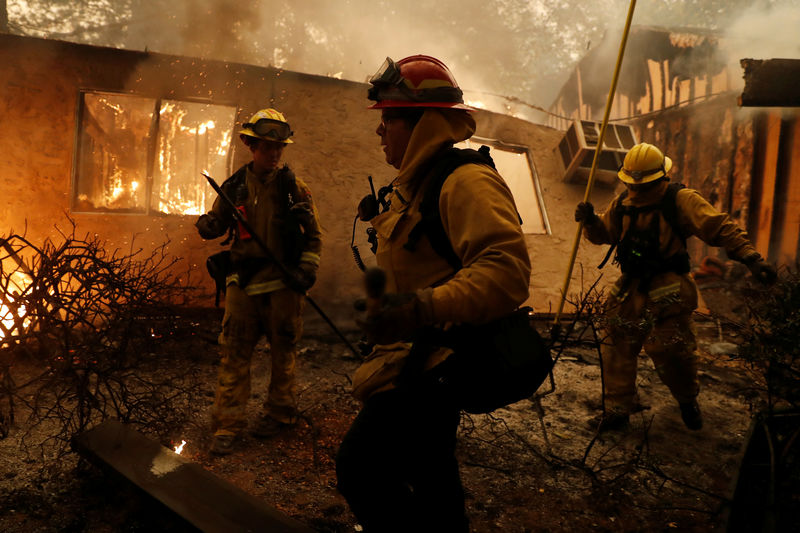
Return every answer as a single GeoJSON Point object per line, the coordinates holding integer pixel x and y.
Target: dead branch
{"type": "Point", "coordinates": [90, 322]}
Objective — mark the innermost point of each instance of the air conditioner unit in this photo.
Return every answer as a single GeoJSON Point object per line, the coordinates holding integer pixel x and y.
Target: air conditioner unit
{"type": "Point", "coordinates": [576, 150]}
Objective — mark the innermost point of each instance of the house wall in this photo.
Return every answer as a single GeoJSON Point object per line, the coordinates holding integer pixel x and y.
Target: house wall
{"type": "Point", "coordinates": [680, 97]}
{"type": "Point", "coordinates": [335, 150]}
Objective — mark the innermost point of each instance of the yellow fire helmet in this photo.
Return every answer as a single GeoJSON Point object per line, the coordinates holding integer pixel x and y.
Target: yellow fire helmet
{"type": "Point", "coordinates": [269, 125]}
{"type": "Point", "coordinates": [644, 163]}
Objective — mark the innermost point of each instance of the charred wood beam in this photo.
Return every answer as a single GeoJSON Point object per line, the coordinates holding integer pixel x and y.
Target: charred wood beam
{"type": "Point", "coordinates": [206, 501]}
{"type": "Point", "coordinates": [770, 82]}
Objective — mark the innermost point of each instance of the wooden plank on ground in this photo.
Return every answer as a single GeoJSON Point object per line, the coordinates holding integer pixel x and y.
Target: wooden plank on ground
{"type": "Point", "coordinates": [206, 501]}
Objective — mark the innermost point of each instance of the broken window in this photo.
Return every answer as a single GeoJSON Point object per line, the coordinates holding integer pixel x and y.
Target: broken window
{"type": "Point", "coordinates": [145, 155]}
{"type": "Point", "coordinates": [514, 163]}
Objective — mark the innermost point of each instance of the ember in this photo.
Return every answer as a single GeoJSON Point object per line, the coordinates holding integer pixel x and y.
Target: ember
{"type": "Point", "coordinates": [179, 447]}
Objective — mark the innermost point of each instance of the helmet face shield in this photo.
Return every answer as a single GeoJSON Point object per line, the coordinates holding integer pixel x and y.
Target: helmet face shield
{"type": "Point", "coordinates": [642, 176]}
{"type": "Point", "coordinates": [388, 74]}
{"type": "Point", "coordinates": [270, 129]}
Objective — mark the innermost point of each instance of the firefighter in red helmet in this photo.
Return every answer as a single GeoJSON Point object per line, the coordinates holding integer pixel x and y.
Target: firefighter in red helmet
{"type": "Point", "coordinates": [396, 466]}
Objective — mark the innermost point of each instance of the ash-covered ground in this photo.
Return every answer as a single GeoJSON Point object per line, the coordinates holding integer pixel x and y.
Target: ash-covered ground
{"type": "Point", "coordinates": [523, 468]}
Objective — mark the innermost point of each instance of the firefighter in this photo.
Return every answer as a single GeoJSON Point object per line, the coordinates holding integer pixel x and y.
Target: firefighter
{"type": "Point", "coordinates": [262, 298]}
{"type": "Point", "coordinates": [396, 465]}
{"type": "Point", "coordinates": [651, 304]}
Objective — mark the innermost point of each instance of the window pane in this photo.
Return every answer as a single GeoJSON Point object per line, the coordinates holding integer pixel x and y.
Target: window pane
{"type": "Point", "coordinates": [112, 153]}
{"type": "Point", "coordinates": [513, 165]}
{"type": "Point", "coordinates": [192, 137]}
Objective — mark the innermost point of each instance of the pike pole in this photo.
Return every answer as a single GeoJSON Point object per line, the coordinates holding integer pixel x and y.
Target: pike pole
{"type": "Point", "coordinates": [285, 271]}
{"type": "Point", "coordinates": [597, 152]}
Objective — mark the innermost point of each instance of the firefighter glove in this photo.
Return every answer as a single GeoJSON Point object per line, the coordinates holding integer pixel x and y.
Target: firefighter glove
{"type": "Point", "coordinates": [302, 277]}
{"type": "Point", "coordinates": [762, 271]}
{"type": "Point", "coordinates": [399, 317]}
{"type": "Point", "coordinates": [304, 214]}
{"type": "Point", "coordinates": [584, 212]}
{"type": "Point", "coordinates": [210, 226]}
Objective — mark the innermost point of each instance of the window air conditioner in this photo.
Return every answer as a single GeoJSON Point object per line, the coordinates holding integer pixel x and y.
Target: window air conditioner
{"type": "Point", "coordinates": [575, 152]}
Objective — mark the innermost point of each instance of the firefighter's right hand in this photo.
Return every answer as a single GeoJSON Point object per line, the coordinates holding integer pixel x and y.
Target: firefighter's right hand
{"type": "Point", "coordinates": [302, 277]}
{"type": "Point", "coordinates": [209, 226]}
{"type": "Point", "coordinates": [584, 212]}
{"type": "Point", "coordinates": [763, 271]}
{"type": "Point", "coordinates": [399, 317]}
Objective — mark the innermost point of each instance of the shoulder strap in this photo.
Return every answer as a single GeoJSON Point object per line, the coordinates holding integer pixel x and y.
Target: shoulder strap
{"type": "Point", "coordinates": [287, 188]}
{"type": "Point", "coordinates": [431, 224]}
{"type": "Point", "coordinates": [235, 186]}
{"type": "Point", "coordinates": [619, 212]}
{"type": "Point", "coordinates": [669, 209]}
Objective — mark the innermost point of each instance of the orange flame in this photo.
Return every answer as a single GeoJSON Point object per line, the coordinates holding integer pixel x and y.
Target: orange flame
{"type": "Point", "coordinates": [179, 447]}
{"type": "Point", "coordinates": [18, 282]}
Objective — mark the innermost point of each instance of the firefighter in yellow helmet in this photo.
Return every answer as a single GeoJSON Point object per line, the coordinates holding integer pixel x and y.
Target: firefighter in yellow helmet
{"type": "Point", "coordinates": [652, 302]}
{"type": "Point", "coordinates": [396, 466]}
{"type": "Point", "coordinates": [260, 299]}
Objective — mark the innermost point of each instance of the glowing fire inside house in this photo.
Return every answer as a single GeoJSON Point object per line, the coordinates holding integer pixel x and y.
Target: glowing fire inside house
{"type": "Point", "coordinates": [143, 155]}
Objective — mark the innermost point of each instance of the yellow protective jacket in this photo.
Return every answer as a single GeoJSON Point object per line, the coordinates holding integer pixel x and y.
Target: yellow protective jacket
{"type": "Point", "coordinates": [480, 218]}
{"type": "Point", "coordinates": [695, 216]}
{"type": "Point", "coordinates": [265, 212]}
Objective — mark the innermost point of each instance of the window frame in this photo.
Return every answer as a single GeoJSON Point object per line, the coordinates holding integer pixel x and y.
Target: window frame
{"type": "Point", "coordinates": [520, 149]}
{"type": "Point", "coordinates": [152, 147]}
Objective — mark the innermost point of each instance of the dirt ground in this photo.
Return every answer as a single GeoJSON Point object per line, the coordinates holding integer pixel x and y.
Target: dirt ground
{"type": "Point", "coordinates": [523, 469]}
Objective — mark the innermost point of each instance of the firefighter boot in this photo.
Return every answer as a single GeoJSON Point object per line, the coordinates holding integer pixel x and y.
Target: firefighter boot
{"type": "Point", "coordinates": [610, 421]}
{"type": "Point", "coordinates": [268, 427]}
{"type": "Point", "coordinates": [690, 413]}
{"type": "Point", "coordinates": [222, 444]}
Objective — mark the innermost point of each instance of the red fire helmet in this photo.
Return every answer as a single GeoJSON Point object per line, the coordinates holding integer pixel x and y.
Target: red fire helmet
{"type": "Point", "coordinates": [415, 81]}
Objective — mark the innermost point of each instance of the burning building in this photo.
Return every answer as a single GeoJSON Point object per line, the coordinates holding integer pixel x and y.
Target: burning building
{"type": "Point", "coordinates": [678, 91]}
{"type": "Point", "coordinates": [116, 140]}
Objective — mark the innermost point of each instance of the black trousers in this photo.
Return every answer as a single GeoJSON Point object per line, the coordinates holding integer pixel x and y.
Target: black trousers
{"type": "Point", "coordinates": [396, 466]}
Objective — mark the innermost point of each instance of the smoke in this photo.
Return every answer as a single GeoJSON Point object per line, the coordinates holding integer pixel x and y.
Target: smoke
{"type": "Point", "coordinates": [763, 33]}
{"type": "Point", "coordinates": [507, 55]}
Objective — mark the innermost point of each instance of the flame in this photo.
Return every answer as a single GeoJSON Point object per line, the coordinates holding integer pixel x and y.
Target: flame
{"type": "Point", "coordinates": [18, 283]}
{"type": "Point", "coordinates": [179, 447]}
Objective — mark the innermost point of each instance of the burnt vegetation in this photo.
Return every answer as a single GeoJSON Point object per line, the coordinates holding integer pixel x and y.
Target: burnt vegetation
{"type": "Point", "coordinates": [83, 331]}
{"type": "Point", "coordinates": [90, 335]}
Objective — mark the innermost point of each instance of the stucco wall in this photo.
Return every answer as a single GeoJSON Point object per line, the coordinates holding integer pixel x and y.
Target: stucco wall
{"type": "Point", "coordinates": [335, 150]}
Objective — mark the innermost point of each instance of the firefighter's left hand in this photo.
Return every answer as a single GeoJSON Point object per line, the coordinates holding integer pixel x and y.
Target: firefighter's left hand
{"type": "Point", "coordinates": [302, 277]}
{"type": "Point", "coordinates": [399, 317]}
{"type": "Point", "coordinates": [304, 214]}
{"type": "Point", "coordinates": [763, 271]}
